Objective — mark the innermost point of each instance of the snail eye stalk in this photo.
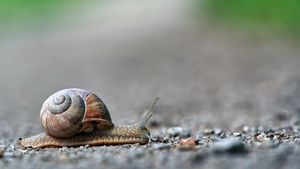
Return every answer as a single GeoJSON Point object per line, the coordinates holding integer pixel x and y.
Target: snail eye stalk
{"type": "Point", "coordinates": [148, 114]}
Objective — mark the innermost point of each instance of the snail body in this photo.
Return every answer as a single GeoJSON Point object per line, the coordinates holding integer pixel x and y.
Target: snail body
{"type": "Point", "coordinates": [75, 117]}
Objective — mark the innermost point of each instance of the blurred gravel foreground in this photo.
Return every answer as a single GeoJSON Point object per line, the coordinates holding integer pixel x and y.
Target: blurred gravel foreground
{"type": "Point", "coordinates": [229, 99]}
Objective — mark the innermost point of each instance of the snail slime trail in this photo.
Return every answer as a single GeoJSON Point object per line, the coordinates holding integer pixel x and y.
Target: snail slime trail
{"type": "Point", "coordinates": [76, 117]}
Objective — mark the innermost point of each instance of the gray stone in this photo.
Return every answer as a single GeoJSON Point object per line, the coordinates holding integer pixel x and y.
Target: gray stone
{"type": "Point", "coordinates": [229, 145]}
{"type": "Point", "coordinates": [208, 131]}
{"type": "Point", "coordinates": [2, 151]}
{"type": "Point", "coordinates": [236, 134]}
{"type": "Point", "coordinates": [246, 129]}
{"type": "Point", "coordinates": [162, 146]}
{"type": "Point", "coordinates": [218, 131]}
{"type": "Point", "coordinates": [178, 132]}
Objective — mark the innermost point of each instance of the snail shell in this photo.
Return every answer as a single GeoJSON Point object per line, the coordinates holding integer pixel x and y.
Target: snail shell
{"type": "Point", "coordinates": [71, 111]}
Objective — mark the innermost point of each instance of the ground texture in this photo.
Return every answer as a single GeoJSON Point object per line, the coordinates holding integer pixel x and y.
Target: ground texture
{"type": "Point", "coordinates": [228, 99]}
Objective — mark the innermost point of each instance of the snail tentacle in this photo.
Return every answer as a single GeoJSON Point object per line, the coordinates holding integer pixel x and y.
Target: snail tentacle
{"type": "Point", "coordinates": [147, 114]}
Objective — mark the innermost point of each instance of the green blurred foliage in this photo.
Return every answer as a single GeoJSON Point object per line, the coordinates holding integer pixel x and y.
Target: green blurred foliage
{"type": "Point", "coordinates": [276, 15]}
{"type": "Point", "coordinates": [18, 15]}
{"type": "Point", "coordinates": [17, 10]}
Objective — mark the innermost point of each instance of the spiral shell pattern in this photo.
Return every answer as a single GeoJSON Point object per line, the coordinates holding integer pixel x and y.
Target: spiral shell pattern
{"type": "Point", "coordinates": [71, 111]}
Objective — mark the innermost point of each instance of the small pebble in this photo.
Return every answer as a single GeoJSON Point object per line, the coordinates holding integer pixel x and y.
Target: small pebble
{"type": "Point", "coordinates": [268, 131]}
{"type": "Point", "coordinates": [198, 138]}
{"type": "Point", "coordinates": [158, 139]}
{"type": "Point", "coordinates": [218, 131]}
{"type": "Point", "coordinates": [188, 141]}
{"type": "Point", "coordinates": [222, 135]}
{"type": "Point", "coordinates": [201, 142]}
{"type": "Point", "coordinates": [246, 129]}
{"type": "Point", "coordinates": [185, 134]}
{"type": "Point", "coordinates": [229, 145]}
{"type": "Point", "coordinates": [178, 132]}
{"type": "Point", "coordinates": [236, 134]}
{"type": "Point", "coordinates": [270, 135]}
{"type": "Point", "coordinates": [187, 144]}
{"type": "Point", "coordinates": [2, 151]}
{"type": "Point", "coordinates": [208, 131]}
{"type": "Point", "coordinates": [162, 146]}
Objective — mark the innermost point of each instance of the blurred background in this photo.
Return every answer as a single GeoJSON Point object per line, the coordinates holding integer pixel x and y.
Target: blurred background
{"type": "Point", "coordinates": [213, 63]}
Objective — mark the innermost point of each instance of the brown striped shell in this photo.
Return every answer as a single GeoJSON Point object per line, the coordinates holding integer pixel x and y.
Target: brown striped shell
{"type": "Point", "coordinates": [70, 111]}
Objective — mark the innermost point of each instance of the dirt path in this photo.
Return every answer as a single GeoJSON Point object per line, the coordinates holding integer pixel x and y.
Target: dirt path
{"type": "Point", "coordinates": [206, 78]}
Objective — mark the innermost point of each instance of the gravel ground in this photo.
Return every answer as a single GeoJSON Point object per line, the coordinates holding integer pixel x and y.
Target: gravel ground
{"type": "Point", "coordinates": [228, 99]}
{"type": "Point", "coordinates": [249, 147]}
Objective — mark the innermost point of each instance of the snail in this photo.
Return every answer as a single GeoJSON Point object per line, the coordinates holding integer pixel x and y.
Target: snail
{"type": "Point", "coordinates": [75, 117]}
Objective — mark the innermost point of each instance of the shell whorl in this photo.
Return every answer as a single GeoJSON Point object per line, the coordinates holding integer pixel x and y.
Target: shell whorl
{"type": "Point", "coordinates": [71, 111]}
{"type": "Point", "coordinates": [59, 103]}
